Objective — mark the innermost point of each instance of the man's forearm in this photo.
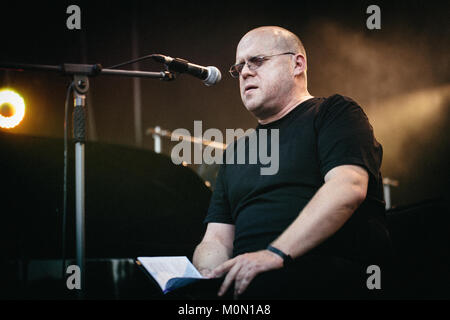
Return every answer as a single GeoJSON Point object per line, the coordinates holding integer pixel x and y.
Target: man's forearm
{"type": "Point", "coordinates": [210, 254]}
{"type": "Point", "coordinates": [328, 210]}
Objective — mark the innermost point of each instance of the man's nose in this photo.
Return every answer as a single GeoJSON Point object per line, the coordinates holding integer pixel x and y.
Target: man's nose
{"type": "Point", "coordinates": [246, 71]}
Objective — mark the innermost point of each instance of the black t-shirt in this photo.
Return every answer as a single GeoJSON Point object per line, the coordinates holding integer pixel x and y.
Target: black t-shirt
{"type": "Point", "coordinates": [316, 136]}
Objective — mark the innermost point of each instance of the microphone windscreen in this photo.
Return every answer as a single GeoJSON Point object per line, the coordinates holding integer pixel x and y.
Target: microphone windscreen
{"type": "Point", "coordinates": [214, 76]}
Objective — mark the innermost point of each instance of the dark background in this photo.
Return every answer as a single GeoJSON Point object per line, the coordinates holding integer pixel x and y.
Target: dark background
{"type": "Point", "coordinates": [399, 74]}
{"type": "Point", "coordinates": [140, 203]}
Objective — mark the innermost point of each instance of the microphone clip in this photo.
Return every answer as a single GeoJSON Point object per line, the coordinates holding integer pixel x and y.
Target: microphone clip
{"type": "Point", "coordinates": [168, 75]}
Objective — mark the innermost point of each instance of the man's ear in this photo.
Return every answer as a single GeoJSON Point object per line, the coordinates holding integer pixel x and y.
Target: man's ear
{"type": "Point", "coordinates": [300, 64]}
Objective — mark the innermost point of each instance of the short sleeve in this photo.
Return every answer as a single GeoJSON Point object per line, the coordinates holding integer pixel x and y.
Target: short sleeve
{"type": "Point", "coordinates": [345, 136]}
{"type": "Point", "coordinates": [219, 207]}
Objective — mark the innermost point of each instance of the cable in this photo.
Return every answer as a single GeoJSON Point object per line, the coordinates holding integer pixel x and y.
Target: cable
{"type": "Point", "coordinates": [64, 217]}
{"type": "Point", "coordinates": [131, 61]}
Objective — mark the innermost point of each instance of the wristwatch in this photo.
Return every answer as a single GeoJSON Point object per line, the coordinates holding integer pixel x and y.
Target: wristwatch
{"type": "Point", "coordinates": [287, 259]}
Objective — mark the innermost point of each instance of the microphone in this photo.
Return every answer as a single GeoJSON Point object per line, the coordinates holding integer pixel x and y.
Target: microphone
{"type": "Point", "coordinates": [210, 75]}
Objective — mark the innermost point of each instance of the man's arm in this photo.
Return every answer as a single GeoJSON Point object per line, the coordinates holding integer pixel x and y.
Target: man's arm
{"type": "Point", "coordinates": [345, 188]}
{"type": "Point", "coordinates": [215, 248]}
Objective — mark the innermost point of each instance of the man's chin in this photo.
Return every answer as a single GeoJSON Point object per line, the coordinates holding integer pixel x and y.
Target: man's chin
{"type": "Point", "coordinates": [259, 111]}
{"type": "Point", "coordinates": [252, 107]}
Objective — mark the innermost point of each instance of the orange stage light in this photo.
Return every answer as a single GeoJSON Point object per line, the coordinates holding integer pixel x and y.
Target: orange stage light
{"type": "Point", "coordinates": [12, 108]}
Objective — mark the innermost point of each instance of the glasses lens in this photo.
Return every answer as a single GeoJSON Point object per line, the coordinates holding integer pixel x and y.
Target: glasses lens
{"type": "Point", "coordinates": [235, 70]}
{"type": "Point", "coordinates": [255, 62]}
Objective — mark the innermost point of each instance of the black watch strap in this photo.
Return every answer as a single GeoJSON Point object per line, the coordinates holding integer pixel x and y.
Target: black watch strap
{"type": "Point", "coordinates": [287, 259]}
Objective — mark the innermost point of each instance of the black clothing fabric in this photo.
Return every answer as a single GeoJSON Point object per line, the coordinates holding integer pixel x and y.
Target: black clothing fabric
{"type": "Point", "coordinates": [316, 136]}
{"type": "Point", "coordinates": [311, 277]}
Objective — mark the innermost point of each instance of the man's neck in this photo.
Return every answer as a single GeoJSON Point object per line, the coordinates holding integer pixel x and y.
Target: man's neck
{"type": "Point", "coordinates": [285, 110]}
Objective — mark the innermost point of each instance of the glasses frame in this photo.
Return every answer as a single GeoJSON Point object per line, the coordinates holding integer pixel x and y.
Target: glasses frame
{"type": "Point", "coordinates": [252, 66]}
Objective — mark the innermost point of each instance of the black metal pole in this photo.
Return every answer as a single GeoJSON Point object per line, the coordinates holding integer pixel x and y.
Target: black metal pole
{"type": "Point", "coordinates": [88, 70]}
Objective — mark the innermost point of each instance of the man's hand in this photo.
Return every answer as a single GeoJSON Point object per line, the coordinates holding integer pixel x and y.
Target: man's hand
{"type": "Point", "coordinates": [244, 268]}
{"type": "Point", "coordinates": [207, 273]}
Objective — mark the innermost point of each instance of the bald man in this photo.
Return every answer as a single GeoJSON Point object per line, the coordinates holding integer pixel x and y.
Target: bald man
{"type": "Point", "coordinates": [308, 230]}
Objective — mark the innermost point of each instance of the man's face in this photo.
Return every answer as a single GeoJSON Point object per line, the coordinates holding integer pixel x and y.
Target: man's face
{"type": "Point", "coordinates": [267, 89]}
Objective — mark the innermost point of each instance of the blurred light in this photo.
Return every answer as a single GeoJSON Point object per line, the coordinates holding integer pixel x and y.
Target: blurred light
{"type": "Point", "coordinates": [403, 122]}
{"type": "Point", "coordinates": [11, 100]}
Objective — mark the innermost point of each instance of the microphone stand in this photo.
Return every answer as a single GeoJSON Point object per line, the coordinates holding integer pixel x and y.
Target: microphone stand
{"type": "Point", "coordinates": [80, 74]}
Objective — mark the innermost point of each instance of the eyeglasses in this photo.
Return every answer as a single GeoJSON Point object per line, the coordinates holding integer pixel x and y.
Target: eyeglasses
{"type": "Point", "coordinates": [253, 63]}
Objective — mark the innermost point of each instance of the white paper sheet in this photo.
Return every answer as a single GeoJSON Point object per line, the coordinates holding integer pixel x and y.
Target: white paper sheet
{"type": "Point", "coordinates": [163, 269]}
